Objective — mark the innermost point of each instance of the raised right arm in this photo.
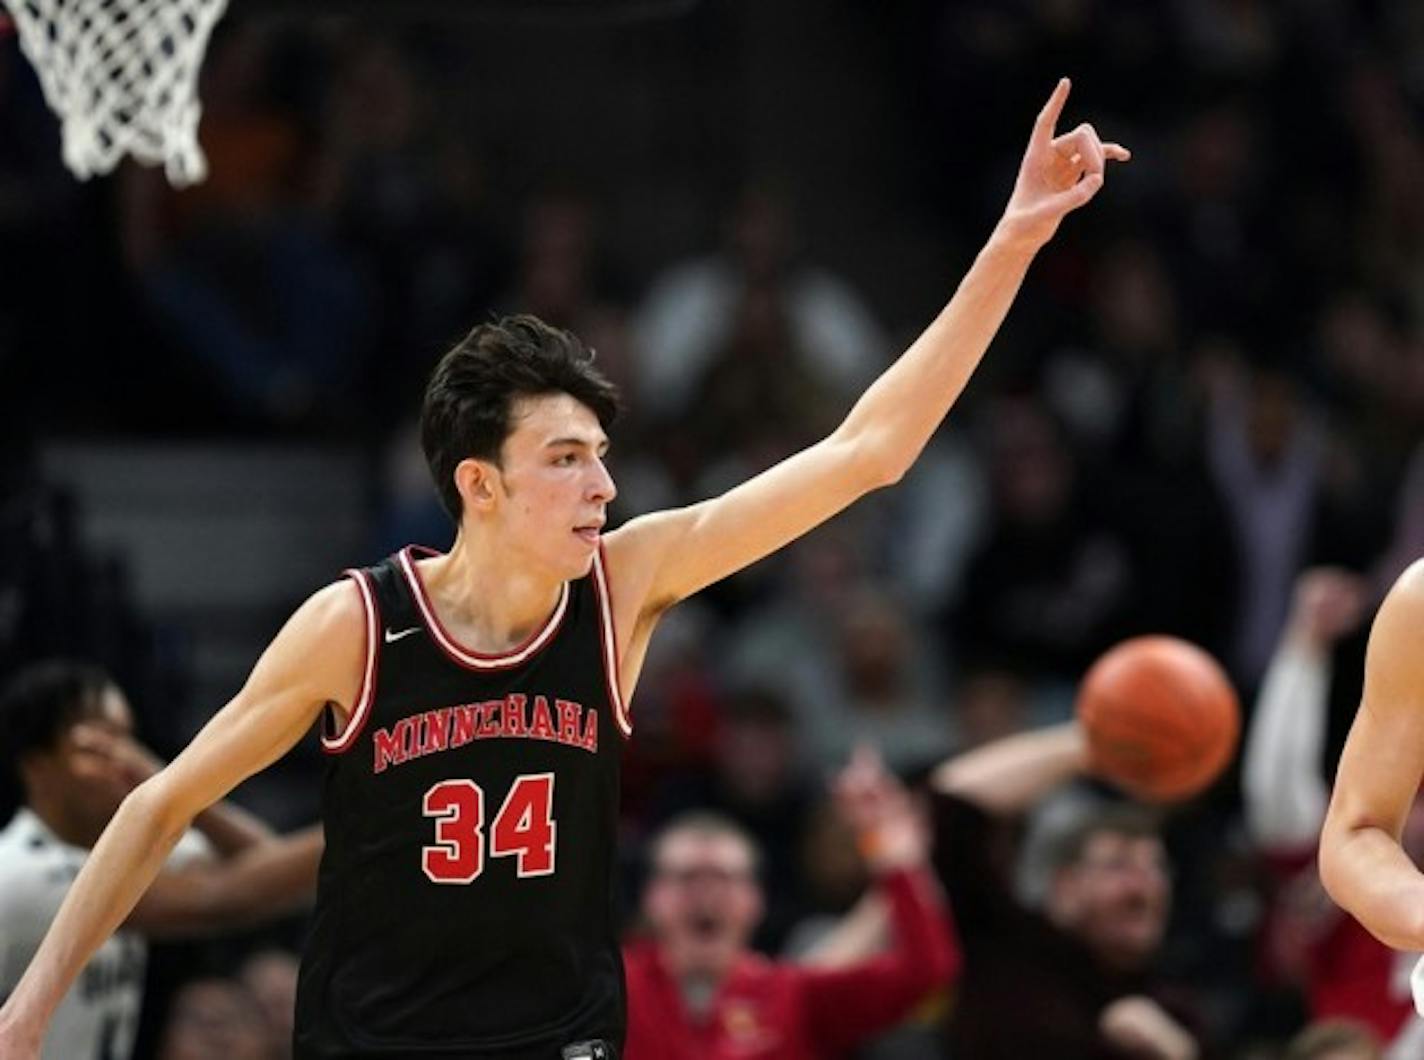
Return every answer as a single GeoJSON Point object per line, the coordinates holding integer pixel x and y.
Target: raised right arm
{"type": "Point", "coordinates": [317, 658]}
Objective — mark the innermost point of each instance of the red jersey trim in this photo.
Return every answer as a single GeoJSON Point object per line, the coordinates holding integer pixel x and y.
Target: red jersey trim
{"type": "Point", "coordinates": [361, 709]}
{"type": "Point", "coordinates": [473, 660]}
{"type": "Point", "coordinates": [610, 645]}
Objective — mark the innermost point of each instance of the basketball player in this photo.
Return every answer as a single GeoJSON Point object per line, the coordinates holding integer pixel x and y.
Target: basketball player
{"type": "Point", "coordinates": [474, 703]}
{"type": "Point", "coordinates": [1346, 973]}
{"type": "Point", "coordinates": [1363, 863]}
{"type": "Point", "coordinates": [67, 731]}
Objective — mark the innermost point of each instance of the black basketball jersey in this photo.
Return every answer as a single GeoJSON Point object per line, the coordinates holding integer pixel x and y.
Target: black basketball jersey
{"type": "Point", "coordinates": [465, 903]}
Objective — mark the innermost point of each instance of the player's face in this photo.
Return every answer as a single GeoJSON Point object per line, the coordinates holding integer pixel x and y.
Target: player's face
{"type": "Point", "coordinates": [555, 489]}
{"type": "Point", "coordinates": [91, 783]}
{"type": "Point", "coordinates": [703, 902]}
{"type": "Point", "coordinates": [1116, 896]}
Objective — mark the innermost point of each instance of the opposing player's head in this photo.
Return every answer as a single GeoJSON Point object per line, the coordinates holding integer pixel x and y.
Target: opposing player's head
{"type": "Point", "coordinates": [1110, 885]}
{"type": "Point", "coordinates": [514, 428]}
{"type": "Point", "coordinates": [702, 900]}
{"type": "Point", "coordinates": [40, 709]}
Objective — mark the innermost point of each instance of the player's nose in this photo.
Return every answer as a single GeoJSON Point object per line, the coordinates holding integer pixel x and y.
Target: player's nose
{"type": "Point", "coordinates": [601, 486]}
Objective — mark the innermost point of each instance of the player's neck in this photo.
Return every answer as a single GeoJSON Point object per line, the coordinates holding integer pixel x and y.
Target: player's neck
{"type": "Point", "coordinates": [486, 601]}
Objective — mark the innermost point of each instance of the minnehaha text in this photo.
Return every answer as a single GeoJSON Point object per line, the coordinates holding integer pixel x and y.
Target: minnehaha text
{"type": "Point", "coordinates": [513, 717]}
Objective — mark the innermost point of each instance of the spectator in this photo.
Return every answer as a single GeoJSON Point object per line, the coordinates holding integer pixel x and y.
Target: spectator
{"type": "Point", "coordinates": [251, 279]}
{"type": "Point", "coordinates": [861, 675]}
{"type": "Point", "coordinates": [991, 702]}
{"type": "Point", "coordinates": [755, 780]}
{"type": "Point", "coordinates": [1265, 448]}
{"type": "Point", "coordinates": [1054, 582]}
{"type": "Point", "coordinates": [697, 993]}
{"type": "Point", "coordinates": [270, 975]}
{"type": "Point", "coordinates": [1072, 980]}
{"type": "Point", "coordinates": [214, 1018]}
{"type": "Point", "coordinates": [687, 315]}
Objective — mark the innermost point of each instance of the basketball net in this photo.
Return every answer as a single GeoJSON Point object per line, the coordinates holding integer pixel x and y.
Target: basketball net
{"type": "Point", "coordinates": [123, 77]}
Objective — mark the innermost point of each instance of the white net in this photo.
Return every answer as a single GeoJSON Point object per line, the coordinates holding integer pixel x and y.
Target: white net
{"type": "Point", "coordinates": [123, 77]}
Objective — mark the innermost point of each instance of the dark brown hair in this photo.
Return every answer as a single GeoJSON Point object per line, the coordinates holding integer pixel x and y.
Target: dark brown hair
{"type": "Point", "coordinates": [469, 401]}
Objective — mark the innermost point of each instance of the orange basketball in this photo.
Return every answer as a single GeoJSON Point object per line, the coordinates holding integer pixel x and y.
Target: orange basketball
{"type": "Point", "coordinates": [1161, 718]}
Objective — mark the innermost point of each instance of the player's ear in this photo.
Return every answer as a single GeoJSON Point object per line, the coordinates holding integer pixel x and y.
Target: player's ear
{"type": "Point", "coordinates": [476, 479]}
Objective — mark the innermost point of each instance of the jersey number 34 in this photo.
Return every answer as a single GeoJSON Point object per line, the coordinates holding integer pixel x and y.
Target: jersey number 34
{"type": "Point", "coordinates": [523, 828]}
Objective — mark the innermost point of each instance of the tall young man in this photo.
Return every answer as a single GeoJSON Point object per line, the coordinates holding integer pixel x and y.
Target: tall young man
{"type": "Point", "coordinates": [474, 702]}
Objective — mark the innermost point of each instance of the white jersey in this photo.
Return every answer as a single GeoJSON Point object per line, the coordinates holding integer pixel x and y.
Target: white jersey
{"type": "Point", "coordinates": [99, 1016]}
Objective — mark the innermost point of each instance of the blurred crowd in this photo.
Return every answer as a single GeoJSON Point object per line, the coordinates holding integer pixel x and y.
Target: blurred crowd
{"type": "Point", "coordinates": [1212, 382]}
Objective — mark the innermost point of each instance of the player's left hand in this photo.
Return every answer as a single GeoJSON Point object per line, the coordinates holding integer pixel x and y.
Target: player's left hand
{"type": "Point", "coordinates": [1059, 173]}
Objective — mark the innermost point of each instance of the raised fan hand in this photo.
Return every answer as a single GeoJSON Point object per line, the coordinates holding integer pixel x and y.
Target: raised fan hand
{"type": "Point", "coordinates": [1059, 173]}
{"type": "Point", "coordinates": [879, 810]}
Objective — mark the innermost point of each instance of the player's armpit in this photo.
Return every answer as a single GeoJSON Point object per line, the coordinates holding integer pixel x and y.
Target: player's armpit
{"type": "Point", "coordinates": [1361, 862]}
{"type": "Point", "coordinates": [264, 881]}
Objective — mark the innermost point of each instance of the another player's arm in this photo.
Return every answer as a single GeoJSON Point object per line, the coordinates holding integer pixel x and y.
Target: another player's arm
{"type": "Point", "coordinates": [266, 879]}
{"type": "Point", "coordinates": [232, 830]}
{"type": "Point", "coordinates": [226, 826]}
{"type": "Point", "coordinates": [1009, 776]}
{"type": "Point", "coordinates": [1362, 863]}
{"type": "Point", "coordinates": [667, 556]}
{"type": "Point", "coordinates": [317, 657]}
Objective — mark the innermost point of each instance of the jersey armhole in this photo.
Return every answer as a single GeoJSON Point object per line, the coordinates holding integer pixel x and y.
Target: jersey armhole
{"type": "Point", "coordinates": [609, 637]}
{"type": "Point", "coordinates": [332, 741]}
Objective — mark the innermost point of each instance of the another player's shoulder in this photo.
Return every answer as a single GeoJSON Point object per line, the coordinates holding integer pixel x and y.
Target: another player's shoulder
{"type": "Point", "coordinates": [1403, 607]}
{"type": "Point", "coordinates": [1410, 585]}
{"type": "Point", "coordinates": [36, 869]}
{"type": "Point", "coordinates": [1397, 636]}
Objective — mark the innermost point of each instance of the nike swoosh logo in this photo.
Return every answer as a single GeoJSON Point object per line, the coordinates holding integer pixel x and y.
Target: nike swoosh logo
{"type": "Point", "coordinates": [391, 638]}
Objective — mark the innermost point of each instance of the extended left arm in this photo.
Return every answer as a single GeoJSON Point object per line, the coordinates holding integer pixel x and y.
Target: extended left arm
{"type": "Point", "coordinates": [665, 557]}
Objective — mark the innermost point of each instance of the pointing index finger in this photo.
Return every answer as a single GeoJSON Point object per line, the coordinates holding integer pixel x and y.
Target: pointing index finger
{"type": "Point", "coordinates": [1048, 116]}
